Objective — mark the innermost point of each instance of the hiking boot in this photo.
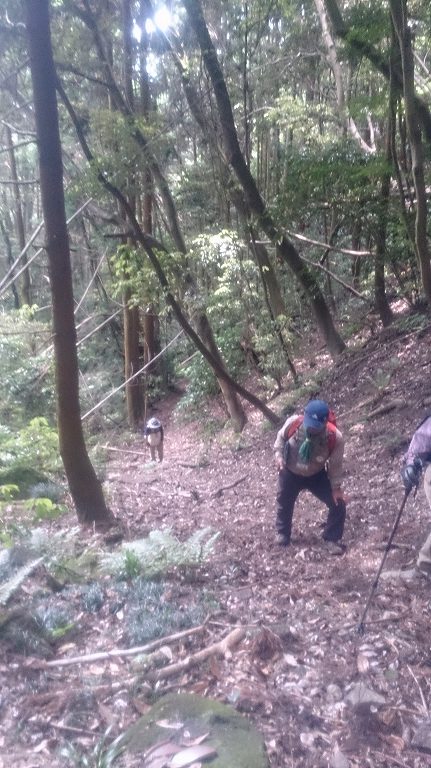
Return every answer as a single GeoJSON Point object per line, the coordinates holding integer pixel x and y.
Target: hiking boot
{"type": "Point", "coordinates": [282, 540]}
{"type": "Point", "coordinates": [424, 568]}
{"type": "Point", "coordinates": [334, 547]}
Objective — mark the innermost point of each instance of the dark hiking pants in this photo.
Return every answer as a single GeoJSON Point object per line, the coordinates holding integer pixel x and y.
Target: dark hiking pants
{"type": "Point", "coordinates": [290, 485]}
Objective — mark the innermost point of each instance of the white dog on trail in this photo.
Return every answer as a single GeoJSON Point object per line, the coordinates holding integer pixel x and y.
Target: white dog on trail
{"type": "Point", "coordinates": [154, 438]}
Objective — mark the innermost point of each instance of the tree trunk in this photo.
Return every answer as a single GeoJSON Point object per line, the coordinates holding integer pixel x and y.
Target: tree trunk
{"type": "Point", "coordinates": [132, 363]}
{"type": "Point", "coordinates": [134, 393]}
{"type": "Point", "coordinates": [331, 53]}
{"type": "Point", "coordinates": [234, 156]}
{"type": "Point", "coordinates": [402, 29]}
{"type": "Point", "coordinates": [9, 259]}
{"type": "Point", "coordinates": [235, 409]}
{"type": "Point", "coordinates": [85, 488]}
{"type": "Point", "coordinates": [382, 304]}
{"type": "Point", "coordinates": [19, 218]}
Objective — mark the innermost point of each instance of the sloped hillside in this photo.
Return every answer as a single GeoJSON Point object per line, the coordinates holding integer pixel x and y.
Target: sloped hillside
{"type": "Point", "coordinates": [321, 692]}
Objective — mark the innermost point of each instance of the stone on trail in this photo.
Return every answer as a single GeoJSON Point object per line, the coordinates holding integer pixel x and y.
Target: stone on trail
{"type": "Point", "coordinates": [188, 720]}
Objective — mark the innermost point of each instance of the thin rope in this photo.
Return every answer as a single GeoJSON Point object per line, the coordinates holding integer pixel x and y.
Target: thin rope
{"type": "Point", "coordinates": [147, 365]}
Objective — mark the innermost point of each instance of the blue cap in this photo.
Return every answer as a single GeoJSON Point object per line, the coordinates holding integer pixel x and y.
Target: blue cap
{"type": "Point", "coordinates": [153, 423]}
{"type": "Point", "coordinates": [316, 414]}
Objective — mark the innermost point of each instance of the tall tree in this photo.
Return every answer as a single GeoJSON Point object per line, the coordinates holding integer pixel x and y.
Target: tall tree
{"type": "Point", "coordinates": [404, 35]}
{"type": "Point", "coordinates": [235, 157]}
{"type": "Point", "coordinates": [202, 324]}
{"type": "Point", "coordinates": [85, 488]}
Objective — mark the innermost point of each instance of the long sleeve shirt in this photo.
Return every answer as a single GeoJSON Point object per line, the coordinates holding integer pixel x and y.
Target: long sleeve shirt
{"type": "Point", "coordinates": [420, 445]}
{"type": "Point", "coordinates": [321, 457]}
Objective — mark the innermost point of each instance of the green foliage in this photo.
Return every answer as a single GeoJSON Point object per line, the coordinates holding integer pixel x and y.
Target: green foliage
{"type": "Point", "coordinates": [340, 176]}
{"type": "Point", "coordinates": [304, 120]}
{"type": "Point", "coordinates": [195, 197]}
{"type": "Point", "coordinates": [8, 491]}
{"type": "Point", "coordinates": [147, 615]}
{"type": "Point", "coordinates": [26, 374]}
{"type": "Point", "coordinates": [54, 620]}
{"type": "Point", "coordinates": [101, 755]}
{"type": "Point", "coordinates": [230, 292]}
{"type": "Point", "coordinates": [23, 477]}
{"type": "Point", "coordinates": [132, 565]}
{"type": "Point", "coordinates": [159, 552]}
{"type": "Point", "coordinates": [413, 322]}
{"type": "Point", "coordinates": [46, 490]}
{"type": "Point", "coordinates": [35, 445]}
{"type": "Point", "coordinates": [44, 509]}
{"type": "Point", "coordinates": [367, 23]}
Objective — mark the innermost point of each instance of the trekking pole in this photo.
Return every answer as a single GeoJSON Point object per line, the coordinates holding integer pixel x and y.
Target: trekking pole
{"type": "Point", "coordinates": [361, 626]}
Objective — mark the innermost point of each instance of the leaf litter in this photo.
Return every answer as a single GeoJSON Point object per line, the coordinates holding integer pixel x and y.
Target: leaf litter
{"type": "Point", "coordinates": [297, 668]}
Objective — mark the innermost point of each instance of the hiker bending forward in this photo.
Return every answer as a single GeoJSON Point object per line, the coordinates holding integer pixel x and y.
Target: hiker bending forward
{"type": "Point", "coordinates": [309, 453]}
{"type": "Point", "coordinates": [417, 457]}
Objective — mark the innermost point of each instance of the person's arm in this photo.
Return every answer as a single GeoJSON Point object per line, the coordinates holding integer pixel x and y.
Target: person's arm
{"type": "Point", "coordinates": [280, 443]}
{"type": "Point", "coordinates": [335, 465]}
{"type": "Point", "coordinates": [420, 445]}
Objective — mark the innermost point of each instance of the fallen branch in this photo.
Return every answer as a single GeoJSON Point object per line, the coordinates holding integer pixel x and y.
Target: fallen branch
{"type": "Point", "coordinates": [219, 491]}
{"type": "Point", "coordinates": [222, 648]}
{"type": "Point", "coordinates": [382, 409]}
{"type": "Point", "coordinates": [123, 652]}
{"type": "Point", "coordinates": [123, 450]}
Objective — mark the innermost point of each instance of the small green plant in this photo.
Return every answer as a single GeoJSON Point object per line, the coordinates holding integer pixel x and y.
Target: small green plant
{"type": "Point", "coordinates": [35, 446]}
{"type": "Point", "coordinates": [159, 552]}
{"type": "Point", "coordinates": [414, 322]}
{"type": "Point", "coordinates": [8, 492]}
{"type": "Point", "coordinates": [101, 756]}
{"type": "Point", "coordinates": [44, 509]}
{"type": "Point", "coordinates": [6, 539]}
{"type": "Point", "coordinates": [132, 565]}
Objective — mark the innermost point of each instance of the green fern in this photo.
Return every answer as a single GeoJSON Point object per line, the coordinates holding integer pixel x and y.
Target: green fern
{"type": "Point", "coordinates": [11, 585]}
{"type": "Point", "coordinates": [161, 551]}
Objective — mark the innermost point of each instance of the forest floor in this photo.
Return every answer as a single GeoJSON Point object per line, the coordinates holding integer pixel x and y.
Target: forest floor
{"type": "Point", "coordinates": [320, 692]}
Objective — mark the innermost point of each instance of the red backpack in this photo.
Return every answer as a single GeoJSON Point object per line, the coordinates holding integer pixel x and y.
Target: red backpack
{"type": "Point", "coordinates": [331, 430]}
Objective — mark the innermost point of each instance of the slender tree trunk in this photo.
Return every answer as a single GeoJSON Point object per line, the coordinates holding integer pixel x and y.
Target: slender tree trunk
{"type": "Point", "coordinates": [132, 363]}
{"type": "Point", "coordinates": [134, 393]}
{"type": "Point", "coordinates": [85, 488]}
{"type": "Point", "coordinates": [382, 304]}
{"type": "Point", "coordinates": [234, 156]}
{"type": "Point", "coordinates": [402, 29]}
{"type": "Point", "coordinates": [19, 218]}
{"type": "Point", "coordinates": [9, 257]}
{"type": "Point", "coordinates": [331, 53]}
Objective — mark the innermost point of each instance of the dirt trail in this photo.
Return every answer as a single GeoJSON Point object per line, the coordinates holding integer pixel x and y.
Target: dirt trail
{"type": "Point", "coordinates": [309, 598]}
{"type": "Point", "coordinates": [297, 672]}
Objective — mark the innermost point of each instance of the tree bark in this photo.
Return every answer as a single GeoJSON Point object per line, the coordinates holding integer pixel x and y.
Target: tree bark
{"type": "Point", "coordinates": [402, 29]}
{"type": "Point", "coordinates": [131, 325]}
{"type": "Point", "coordinates": [85, 488]}
{"type": "Point", "coordinates": [235, 158]}
{"type": "Point", "coordinates": [19, 218]}
{"type": "Point", "coordinates": [334, 64]}
{"type": "Point", "coordinates": [382, 304]}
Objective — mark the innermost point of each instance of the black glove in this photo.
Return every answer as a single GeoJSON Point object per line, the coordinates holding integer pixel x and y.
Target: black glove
{"type": "Point", "coordinates": [410, 475]}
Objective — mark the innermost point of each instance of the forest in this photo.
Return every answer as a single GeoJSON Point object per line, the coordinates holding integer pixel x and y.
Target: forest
{"type": "Point", "coordinates": [210, 213]}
